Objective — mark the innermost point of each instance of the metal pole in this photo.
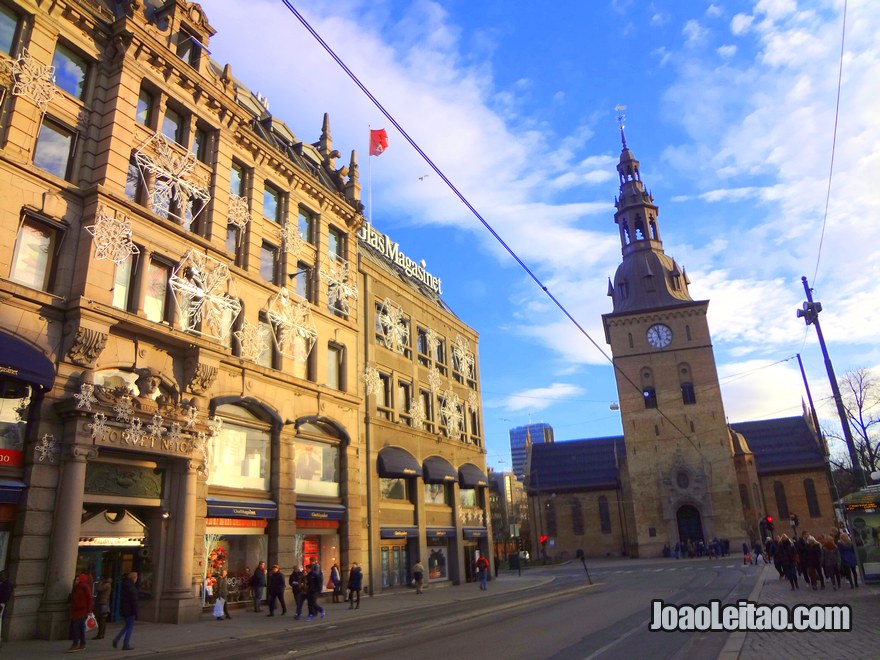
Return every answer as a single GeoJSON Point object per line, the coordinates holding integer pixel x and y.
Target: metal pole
{"type": "Point", "coordinates": [811, 314]}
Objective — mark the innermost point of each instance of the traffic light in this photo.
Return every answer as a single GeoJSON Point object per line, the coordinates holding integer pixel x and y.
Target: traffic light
{"type": "Point", "coordinates": [769, 523]}
{"type": "Point", "coordinates": [543, 539]}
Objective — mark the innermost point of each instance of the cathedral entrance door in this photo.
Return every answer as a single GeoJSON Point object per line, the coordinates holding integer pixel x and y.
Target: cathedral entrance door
{"type": "Point", "coordinates": [690, 525]}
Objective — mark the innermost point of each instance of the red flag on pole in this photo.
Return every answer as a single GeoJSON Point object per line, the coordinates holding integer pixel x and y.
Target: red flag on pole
{"type": "Point", "coordinates": [378, 142]}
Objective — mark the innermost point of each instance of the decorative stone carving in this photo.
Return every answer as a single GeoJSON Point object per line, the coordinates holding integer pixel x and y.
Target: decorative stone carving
{"type": "Point", "coordinates": [87, 346]}
{"type": "Point", "coordinates": [124, 480]}
{"type": "Point", "coordinates": [199, 376]}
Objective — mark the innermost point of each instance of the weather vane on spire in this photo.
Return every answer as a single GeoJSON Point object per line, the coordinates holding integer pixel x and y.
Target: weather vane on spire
{"type": "Point", "coordinates": [621, 119]}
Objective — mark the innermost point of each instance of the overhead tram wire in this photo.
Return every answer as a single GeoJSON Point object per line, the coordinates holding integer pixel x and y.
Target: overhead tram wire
{"type": "Point", "coordinates": [464, 200]}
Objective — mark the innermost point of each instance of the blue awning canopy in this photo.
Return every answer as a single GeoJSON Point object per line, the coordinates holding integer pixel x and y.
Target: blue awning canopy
{"type": "Point", "coordinates": [470, 476]}
{"type": "Point", "coordinates": [440, 532]}
{"type": "Point", "coordinates": [24, 362]}
{"type": "Point", "coordinates": [438, 470]}
{"type": "Point", "coordinates": [397, 462]}
{"type": "Point", "coordinates": [228, 507]}
{"type": "Point", "coordinates": [10, 491]}
{"type": "Point", "coordinates": [320, 511]}
{"type": "Point", "coordinates": [398, 532]}
{"type": "Point", "coordinates": [474, 532]}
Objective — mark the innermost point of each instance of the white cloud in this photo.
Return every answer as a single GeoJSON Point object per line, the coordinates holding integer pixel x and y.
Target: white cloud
{"type": "Point", "coordinates": [726, 51]}
{"type": "Point", "coordinates": [694, 33]}
{"type": "Point", "coordinates": [539, 398]}
{"type": "Point", "coordinates": [741, 23]}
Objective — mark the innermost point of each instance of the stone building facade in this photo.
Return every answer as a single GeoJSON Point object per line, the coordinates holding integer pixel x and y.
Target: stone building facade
{"type": "Point", "coordinates": [182, 334]}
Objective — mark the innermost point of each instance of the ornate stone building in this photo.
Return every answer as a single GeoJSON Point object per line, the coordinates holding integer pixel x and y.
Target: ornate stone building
{"type": "Point", "coordinates": [679, 472]}
{"type": "Point", "coordinates": [182, 336]}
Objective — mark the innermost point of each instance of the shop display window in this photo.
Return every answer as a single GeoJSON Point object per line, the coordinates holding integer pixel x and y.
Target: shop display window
{"type": "Point", "coordinates": [317, 468]}
{"type": "Point", "coordinates": [436, 494]}
{"type": "Point", "coordinates": [240, 455]}
{"type": "Point", "coordinates": [437, 564]}
{"type": "Point", "coordinates": [15, 403]}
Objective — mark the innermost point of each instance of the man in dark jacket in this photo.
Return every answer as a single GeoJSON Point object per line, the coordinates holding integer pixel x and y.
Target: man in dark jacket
{"type": "Point", "coordinates": [258, 586]}
{"type": "Point", "coordinates": [128, 607]}
{"type": "Point", "coordinates": [277, 585]}
{"type": "Point", "coordinates": [315, 585]}
{"type": "Point", "coordinates": [298, 584]}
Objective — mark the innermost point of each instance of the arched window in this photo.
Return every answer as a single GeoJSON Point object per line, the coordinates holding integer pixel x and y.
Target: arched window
{"type": "Point", "coordinates": [650, 395]}
{"type": "Point", "coordinates": [604, 515]}
{"type": "Point", "coordinates": [744, 496]}
{"type": "Point", "coordinates": [812, 500]}
{"type": "Point", "coordinates": [688, 394]}
{"type": "Point", "coordinates": [241, 453]}
{"type": "Point", "coordinates": [781, 502]}
{"type": "Point", "coordinates": [551, 518]}
{"type": "Point", "coordinates": [577, 517]}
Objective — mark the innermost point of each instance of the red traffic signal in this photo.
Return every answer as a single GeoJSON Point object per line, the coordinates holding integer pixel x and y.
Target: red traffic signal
{"type": "Point", "coordinates": [769, 519]}
{"type": "Point", "coordinates": [543, 538]}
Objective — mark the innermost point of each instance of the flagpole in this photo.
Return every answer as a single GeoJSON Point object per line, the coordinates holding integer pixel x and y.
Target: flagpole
{"type": "Point", "coordinates": [370, 174]}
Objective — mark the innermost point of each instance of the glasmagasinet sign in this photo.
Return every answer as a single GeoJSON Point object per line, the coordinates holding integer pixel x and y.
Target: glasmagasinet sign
{"type": "Point", "coordinates": [390, 250]}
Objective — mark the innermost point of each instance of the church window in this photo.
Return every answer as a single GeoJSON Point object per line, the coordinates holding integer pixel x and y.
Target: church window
{"type": "Point", "coordinates": [622, 290]}
{"type": "Point", "coordinates": [551, 518]}
{"type": "Point", "coordinates": [688, 395]}
{"type": "Point", "coordinates": [604, 515]}
{"type": "Point", "coordinates": [781, 501]}
{"type": "Point", "coordinates": [744, 496]}
{"type": "Point", "coordinates": [577, 517]}
{"type": "Point", "coordinates": [656, 430]}
{"type": "Point", "coordinates": [693, 428]}
{"type": "Point", "coordinates": [630, 337]}
{"type": "Point", "coordinates": [652, 223]}
{"type": "Point", "coordinates": [683, 480]}
{"type": "Point", "coordinates": [812, 500]}
{"type": "Point", "coordinates": [687, 332]}
{"type": "Point", "coordinates": [639, 228]}
{"type": "Point", "coordinates": [650, 397]}
{"type": "Point", "coordinates": [627, 239]}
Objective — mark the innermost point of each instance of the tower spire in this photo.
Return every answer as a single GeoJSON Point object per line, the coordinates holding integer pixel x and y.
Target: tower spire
{"type": "Point", "coordinates": [621, 120]}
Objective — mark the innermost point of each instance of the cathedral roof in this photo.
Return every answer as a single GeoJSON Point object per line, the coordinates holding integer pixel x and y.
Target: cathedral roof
{"type": "Point", "coordinates": [784, 444]}
{"type": "Point", "coordinates": [575, 465]}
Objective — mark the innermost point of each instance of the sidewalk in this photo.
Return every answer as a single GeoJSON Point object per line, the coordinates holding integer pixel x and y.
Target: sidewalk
{"type": "Point", "coordinates": [151, 639]}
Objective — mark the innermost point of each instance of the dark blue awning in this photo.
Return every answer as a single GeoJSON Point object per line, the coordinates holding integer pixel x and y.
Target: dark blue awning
{"type": "Point", "coordinates": [470, 476]}
{"type": "Point", "coordinates": [396, 462]}
{"type": "Point", "coordinates": [228, 507]}
{"type": "Point", "coordinates": [24, 362]}
{"type": "Point", "coordinates": [398, 532]}
{"type": "Point", "coordinates": [440, 532]}
{"type": "Point", "coordinates": [10, 491]}
{"type": "Point", "coordinates": [320, 511]}
{"type": "Point", "coordinates": [438, 470]}
{"type": "Point", "coordinates": [474, 532]}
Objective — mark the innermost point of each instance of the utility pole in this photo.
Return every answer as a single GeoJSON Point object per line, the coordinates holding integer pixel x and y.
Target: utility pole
{"type": "Point", "coordinates": [810, 314]}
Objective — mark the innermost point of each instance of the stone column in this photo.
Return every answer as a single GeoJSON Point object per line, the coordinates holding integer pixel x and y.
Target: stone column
{"type": "Point", "coordinates": [179, 602]}
{"type": "Point", "coordinates": [53, 619]}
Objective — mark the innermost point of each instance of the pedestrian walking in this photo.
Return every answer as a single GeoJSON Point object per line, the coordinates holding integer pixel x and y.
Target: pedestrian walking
{"type": "Point", "coordinates": [81, 604]}
{"type": "Point", "coordinates": [788, 561]}
{"type": "Point", "coordinates": [102, 605]}
{"type": "Point", "coordinates": [336, 583]}
{"type": "Point", "coordinates": [811, 561]}
{"type": "Point", "coordinates": [483, 572]}
{"type": "Point", "coordinates": [300, 589]}
{"type": "Point", "coordinates": [258, 586]}
{"type": "Point", "coordinates": [831, 561]}
{"type": "Point", "coordinates": [314, 586]}
{"type": "Point", "coordinates": [355, 582]}
{"type": "Point", "coordinates": [848, 562]}
{"type": "Point", "coordinates": [418, 576]}
{"type": "Point", "coordinates": [277, 586]}
{"type": "Point", "coordinates": [222, 596]}
{"type": "Point", "coordinates": [128, 607]}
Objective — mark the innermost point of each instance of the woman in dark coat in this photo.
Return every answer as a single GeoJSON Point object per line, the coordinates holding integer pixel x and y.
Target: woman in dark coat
{"type": "Point", "coordinates": [355, 582]}
{"type": "Point", "coordinates": [812, 562]}
{"type": "Point", "coordinates": [788, 561]}
{"type": "Point", "coordinates": [81, 604]}
{"type": "Point", "coordinates": [848, 560]}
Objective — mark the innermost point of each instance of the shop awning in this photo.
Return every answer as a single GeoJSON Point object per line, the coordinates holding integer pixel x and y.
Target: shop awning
{"type": "Point", "coordinates": [228, 507]}
{"type": "Point", "coordinates": [24, 362]}
{"type": "Point", "coordinates": [320, 511]}
{"type": "Point", "coordinates": [440, 532]}
{"type": "Point", "coordinates": [474, 532]}
{"type": "Point", "coordinates": [10, 491]}
{"type": "Point", "coordinates": [437, 470]}
{"type": "Point", "coordinates": [398, 532]}
{"type": "Point", "coordinates": [396, 462]}
{"type": "Point", "coordinates": [470, 476]}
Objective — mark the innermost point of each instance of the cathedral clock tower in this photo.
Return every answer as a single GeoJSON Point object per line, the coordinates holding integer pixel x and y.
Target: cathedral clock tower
{"type": "Point", "coordinates": [680, 454]}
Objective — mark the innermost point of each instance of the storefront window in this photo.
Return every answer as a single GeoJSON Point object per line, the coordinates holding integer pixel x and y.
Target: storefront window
{"type": "Point", "coordinates": [393, 489]}
{"type": "Point", "coordinates": [15, 402]}
{"type": "Point", "coordinates": [317, 468]}
{"type": "Point", "coordinates": [467, 497]}
{"type": "Point", "coordinates": [436, 494]}
{"type": "Point", "coordinates": [438, 551]}
{"type": "Point", "coordinates": [240, 456]}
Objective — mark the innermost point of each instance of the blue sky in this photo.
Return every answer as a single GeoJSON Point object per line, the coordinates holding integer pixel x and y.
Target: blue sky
{"type": "Point", "coordinates": [730, 110]}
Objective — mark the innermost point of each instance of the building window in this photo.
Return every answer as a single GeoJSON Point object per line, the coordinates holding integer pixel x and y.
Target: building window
{"type": "Point", "coordinates": [144, 112]}
{"type": "Point", "coordinates": [189, 49]}
{"type": "Point", "coordinates": [551, 518]}
{"type": "Point", "coordinates": [71, 70]}
{"type": "Point", "coordinates": [577, 517]}
{"type": "Point", "coordinates": [122, 289]}
{"type": "Point", "coordinates": [34, 256]}
{"type": "Point", "coordinates": [440, 356]}
{"type": "Point", "coordinates": [781, 501]}
{"type": "Point", "coordinates": [383, 396]}
{"type": "Point", "coordinates": [688, 395]}
{"type": "Point", "coordinates": [237, 180]}
{"type": "Point", "coordinates": [475, 426]}
{"type": "Point", "coordinates": [54, 150]}
{"type": "Point", "coordinates": [156, 298]}
{"type": "Point", "coordinates": [422, 347]}
{"type": "Point", "coordinates": [303, 364]}
{"type": "Point", "coordinates": [604, 515]}
{"type": "Point", "coordinates": [403, 401]}
{"type": "Point", "coordinates": [173, 125]}
{"type": "Point", "coordinates": [272, 203]}
{"type": "Point", "coordinates": [650, 395]}
{"type": "Point", "coordinates": [134, 183]}
{"type": "Point", "coordinates": [427, 404]}
{"type": "Point", "coordinates": [306, 226]}
{"type": "Point", "coordinates": [9, 28]}
{"type": "Point", "coordinates": [317, 468]}
{"type": "Point", "coordinates": [303, 280]}
{"type": "Point", "coordinates": [269, 263]}
{"type": "Point", "coordinates": [336, 367]}
{"type": "Point", "coordinates": [233, 241]}
{"type": "Point", "coordinates": [200, 144]}
{"type": "Point", "coordinates": [468, 497]}
{"type": "Point", "coordinates": [336, 243]}
{"type": "Point", "coordinates": [744, 496]}
{"type": "Point", "coordinates": [812, 500]}
{"type": "Point", "coordinates": [394, 489]}
{"type": "Point", "coordinates": [266, 357]}
{"type": "Point", "coordinates": [241, 454]}
{"type": "Point", "coordinates": [437, 494]}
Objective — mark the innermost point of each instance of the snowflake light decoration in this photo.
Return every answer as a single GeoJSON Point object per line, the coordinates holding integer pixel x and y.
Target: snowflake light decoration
{"type": "Point", "coordinates": [215, 425]}
{"type": "Point", "coordinates": [202, 445]}
{"type": "Point", "coordinates": [199, 286]}
{"type": "Point", "coordinates": [123, 409]}
{"type": "Point", "coordinates": [155, 428]}
{"type": "Point", "coordinates": [98, 426]}
{"type": "Point", "coordinates": [394, 326]}
{"type": "Point", "coordinates": [136, 431]}
{"type": "Point", "coordinates": [432, 339]}
{"type": "Point", "coordinates": [473, 400]}
{"type": "Point", "coordinates": [85, 397]}
{"type": "Point", "coordinates": [173, 173]}
{"type": "Point", "coordinates": [174, 433]}
{"type": "Point", "coordinates": [45, 449]}
{"type": "Point", "coordinates": [291, 241]}
{"type": "Point", "coordinates": [252, 340]}
{"type": "Point", "coordinates": [336, 272]}
{"type": "Point", "coordinates": [464, 356]}
{"type": "Point", "coordinates": [417, 414]}
{"type": "Point", "coordinates": [32, 80]}
{"type": "Point", "coordinates": [372, 382]}
{"type": "Point", "coordinates": [239, 213]}
{"type": "Point", "coordinates": [112, 237]}
{"type": "Point", "coordinates": [434, 380]}
{"type": "Point", "coordinates": [291, 323]}
{"type": "Point", "coordinates": [192, 417]}
{"type": "Point", "coordinates": [21, 410]}
{"type": "Point", "coordinates": [450, 411]}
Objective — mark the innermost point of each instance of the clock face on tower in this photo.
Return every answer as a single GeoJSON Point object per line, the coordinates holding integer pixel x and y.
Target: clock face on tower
{"type": "Point", "coordinates": [659, 335]}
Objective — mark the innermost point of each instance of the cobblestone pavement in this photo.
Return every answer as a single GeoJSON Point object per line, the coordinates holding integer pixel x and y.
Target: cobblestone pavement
{"type": "Point", "coordinates": [863, 641]}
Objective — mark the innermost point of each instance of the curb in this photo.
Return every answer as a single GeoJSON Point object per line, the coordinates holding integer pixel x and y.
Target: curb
{"type": "Point", "coordinates": [733, 646]}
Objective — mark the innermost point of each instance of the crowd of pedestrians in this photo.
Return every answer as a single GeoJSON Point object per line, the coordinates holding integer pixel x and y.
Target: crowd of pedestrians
{"type": "Point", "coordinates": [813, 559]}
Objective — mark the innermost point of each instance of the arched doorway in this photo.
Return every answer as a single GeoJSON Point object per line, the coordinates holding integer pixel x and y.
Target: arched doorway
{"type": "Point", "coordinates": [690, 525]}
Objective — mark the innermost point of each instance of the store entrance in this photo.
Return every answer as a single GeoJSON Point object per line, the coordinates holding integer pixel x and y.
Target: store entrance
{"type": "Point", "coordinates": [114, 562]}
